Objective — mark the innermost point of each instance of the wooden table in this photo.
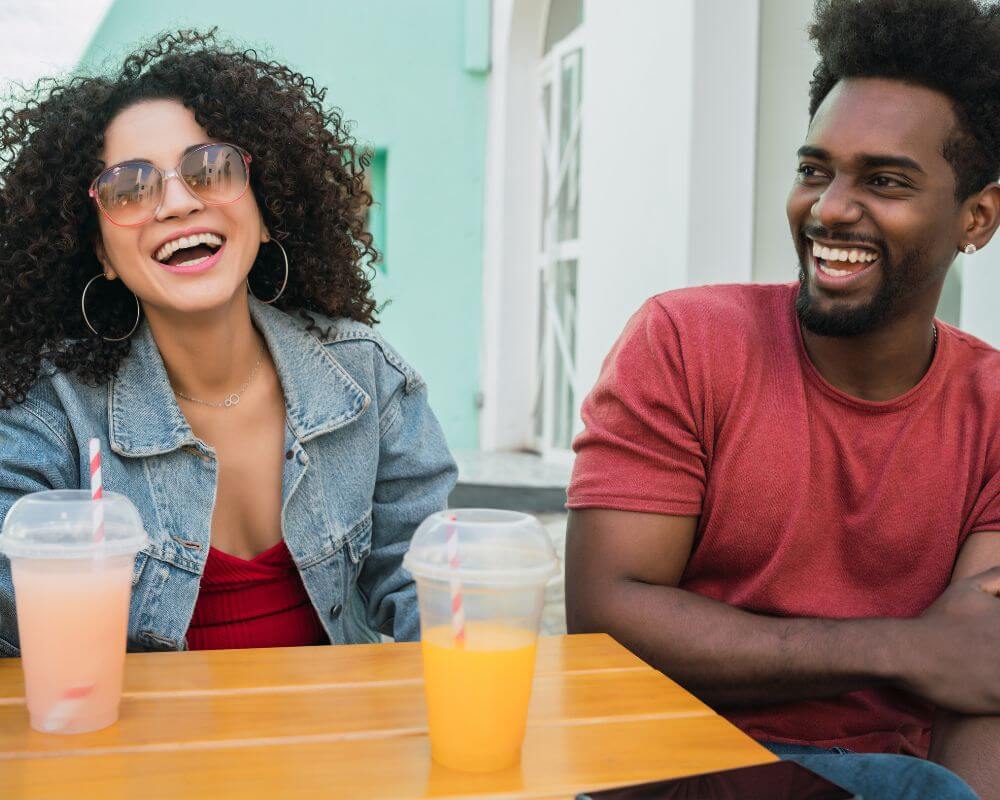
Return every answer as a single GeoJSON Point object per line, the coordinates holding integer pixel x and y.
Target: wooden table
{"type": "Point", "coordinates": [330, 722]}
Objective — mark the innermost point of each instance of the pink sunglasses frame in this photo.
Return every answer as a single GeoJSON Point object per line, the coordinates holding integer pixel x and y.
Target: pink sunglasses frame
{"type": "Point", "coordinates": [164, 177]}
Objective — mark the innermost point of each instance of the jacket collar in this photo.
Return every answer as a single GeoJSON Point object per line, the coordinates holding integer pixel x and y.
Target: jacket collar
{"type": "Point", "coordinates": [320, 396]}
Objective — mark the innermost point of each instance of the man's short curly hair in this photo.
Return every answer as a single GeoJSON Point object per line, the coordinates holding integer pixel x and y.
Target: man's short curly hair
{"type": "Point", "coordinates": [951, 46]}
{"type": "Point", "coordinates": [307, 176]}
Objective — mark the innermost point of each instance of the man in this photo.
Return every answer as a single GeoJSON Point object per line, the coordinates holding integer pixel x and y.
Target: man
{"type": "Point", "coordinates": [788, 497]}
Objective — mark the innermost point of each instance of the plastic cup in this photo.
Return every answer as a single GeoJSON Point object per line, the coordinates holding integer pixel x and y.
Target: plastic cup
{"type": "Point", "coordinates": [72, 597]}
{"type": "Point", "coordinates": [478, 668]}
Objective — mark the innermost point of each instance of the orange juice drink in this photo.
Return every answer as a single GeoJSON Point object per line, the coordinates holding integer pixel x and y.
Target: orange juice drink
{"type": "Point", "coordinates": [477, 694]}
{"type": "Point", "coordinates": [481, 575]}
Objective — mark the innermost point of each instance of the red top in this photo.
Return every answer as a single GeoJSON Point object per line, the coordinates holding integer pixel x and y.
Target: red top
{"type": "Point", "coordinates": [255, 603]}
{"type": "Point", "coordinates": [811, 503]}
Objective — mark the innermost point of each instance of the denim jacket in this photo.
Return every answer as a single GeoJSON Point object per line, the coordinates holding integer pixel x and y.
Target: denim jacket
{"type": "Point", "coordinates": [366, 461]}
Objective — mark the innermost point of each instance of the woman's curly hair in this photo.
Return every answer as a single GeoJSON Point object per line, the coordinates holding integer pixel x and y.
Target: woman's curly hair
{"type": "Point", "coordinates": [951, 46]}
{"type": "Point", "coordinates": [307, 175]}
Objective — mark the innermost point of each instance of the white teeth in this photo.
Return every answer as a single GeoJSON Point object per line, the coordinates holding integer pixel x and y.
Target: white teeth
{"type": "Point", "coordinates": [173, 246]}
{"type": "Point", "coordinates": [846, 256]}
{"type": "Point", "coordinates": [192, 263]}
{"type": "Point", "coordinates": [837, 273]}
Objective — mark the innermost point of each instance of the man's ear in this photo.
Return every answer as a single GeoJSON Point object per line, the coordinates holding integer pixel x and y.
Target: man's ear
{"type": "Point", "coordinates": [102, 256]}
{"type": "Point", "coordinates": [982, 218]}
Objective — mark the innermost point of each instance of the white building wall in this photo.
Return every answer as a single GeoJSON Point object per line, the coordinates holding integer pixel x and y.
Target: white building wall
{"type": "Point", "coordinates": [635, 165]}
{"type": "Point", "coordinates": [667, 177]}
{"type": "Point", "coordinates": [786, 64]}
{"type": "Point", "coordinates": [980, 289]}
{"type": "Point", "coordinates": [669, 122]}
{"type": "Point", "coordinates": [512, 206]}
{"type": "Point", "coordinates": [39, 38]}
{"type": "Point", "coordinates": [723, 141]}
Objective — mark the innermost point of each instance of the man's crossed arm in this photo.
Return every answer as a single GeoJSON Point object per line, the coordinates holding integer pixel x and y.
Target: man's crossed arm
{"type": "Point", "coordinates": [622, 571]}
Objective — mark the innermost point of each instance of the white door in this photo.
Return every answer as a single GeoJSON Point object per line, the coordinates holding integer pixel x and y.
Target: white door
{"type": "Point", "coordinates": [558, 392]}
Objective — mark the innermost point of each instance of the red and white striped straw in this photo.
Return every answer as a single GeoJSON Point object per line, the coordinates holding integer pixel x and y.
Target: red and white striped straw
{"type": "Point", "coordinates": [97, 488]}
{"type": "Point", "coordinates": [457, 613]}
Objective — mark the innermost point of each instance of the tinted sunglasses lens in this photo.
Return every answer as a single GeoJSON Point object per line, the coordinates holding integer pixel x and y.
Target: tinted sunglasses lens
{"type": "Point", "coordinates": [129, 192]}
{"type": "Point", "coordinates": [217, 173]}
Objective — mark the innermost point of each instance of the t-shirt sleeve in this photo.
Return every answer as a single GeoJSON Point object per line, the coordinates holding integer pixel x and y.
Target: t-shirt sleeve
{"type": "Point", "coordinates": [641, 449]}
{"type": "Point", "coordinates": [986, 511]}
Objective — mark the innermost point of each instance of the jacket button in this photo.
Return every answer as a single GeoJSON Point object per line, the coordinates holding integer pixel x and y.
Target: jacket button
{"type": "Point", "coordinates": [289, 455]}
{"type": "Point", "coordinates": [335, 611]}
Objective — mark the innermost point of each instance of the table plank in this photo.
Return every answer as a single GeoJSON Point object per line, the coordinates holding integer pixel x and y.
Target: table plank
{"type": "Point", "coordinates": [351, 711]}
{"type": "Point", "coordinates": [320, 666]}
{"type": "Point", "coordinates": [559, 760]}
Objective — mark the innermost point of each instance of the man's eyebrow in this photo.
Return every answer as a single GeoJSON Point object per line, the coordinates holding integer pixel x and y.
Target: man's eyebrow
{"type": "Point", "coordinates": [808, 151]}
{"type": "Point", "coordinates": [865, 160]}
{"type": "Point", "coordinates": [872, 161]}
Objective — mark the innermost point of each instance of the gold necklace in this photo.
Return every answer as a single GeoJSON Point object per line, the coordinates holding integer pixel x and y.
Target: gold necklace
{"type": "Point", "coordinates": [234, 398]}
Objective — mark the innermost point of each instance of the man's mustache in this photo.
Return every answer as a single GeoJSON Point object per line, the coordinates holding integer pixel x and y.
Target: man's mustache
{"type": "Point", "coordinates": [821, 232]}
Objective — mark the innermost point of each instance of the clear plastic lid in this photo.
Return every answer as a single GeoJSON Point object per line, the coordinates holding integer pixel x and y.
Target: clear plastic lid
{"type": "Point", "coordinates": [494, 548]}
{"type": "Point", "coordinates": [60, 524]}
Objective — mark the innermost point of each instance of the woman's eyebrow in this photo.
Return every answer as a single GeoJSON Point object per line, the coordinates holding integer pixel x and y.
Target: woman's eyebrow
{"type": "Point", "coordinates": [191, 147]}
{"type": "Point", "coordinates": [187, 150]}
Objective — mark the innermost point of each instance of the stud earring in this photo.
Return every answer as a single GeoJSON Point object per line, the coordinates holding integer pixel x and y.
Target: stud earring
{"type": "Point", "coordinates": [970, 248]}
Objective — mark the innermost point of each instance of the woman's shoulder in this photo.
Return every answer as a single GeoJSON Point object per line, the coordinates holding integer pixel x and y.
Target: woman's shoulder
{"type": "Point", "coordinates": [41, 413]}
{"type": "Point", "coordinates": [359, 348]}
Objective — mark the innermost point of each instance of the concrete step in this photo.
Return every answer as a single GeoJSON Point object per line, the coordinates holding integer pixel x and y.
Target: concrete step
{"type": "Point", "coordinates": [512, 480]}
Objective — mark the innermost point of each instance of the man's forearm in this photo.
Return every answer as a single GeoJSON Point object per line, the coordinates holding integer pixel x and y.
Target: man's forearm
{"type": "Point", "coordinates": [969, 747]}
{"type": "Point", "coordinates": [732, 657]}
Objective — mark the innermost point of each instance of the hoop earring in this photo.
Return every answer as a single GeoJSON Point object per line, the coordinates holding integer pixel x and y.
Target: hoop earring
{"type": "Point", "coordinates": [284, 283]}
{"type": "Point", "coordinates": [86, 319]}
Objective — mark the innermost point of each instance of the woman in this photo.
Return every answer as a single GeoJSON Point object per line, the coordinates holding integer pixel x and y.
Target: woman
{"type": "Point", "coordinates": [183, 275]}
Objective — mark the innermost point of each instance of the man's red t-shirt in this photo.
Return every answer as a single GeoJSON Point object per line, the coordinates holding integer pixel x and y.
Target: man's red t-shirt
{"type": "Point", "coordinates": [810, 503]}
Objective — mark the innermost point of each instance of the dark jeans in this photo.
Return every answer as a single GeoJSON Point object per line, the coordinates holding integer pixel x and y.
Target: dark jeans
{"type": "Point", "coordinates": [878, 776]}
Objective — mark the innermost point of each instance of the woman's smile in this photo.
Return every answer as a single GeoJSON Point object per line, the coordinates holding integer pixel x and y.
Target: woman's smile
{"type": "Point", "coordinates": [191, 251]}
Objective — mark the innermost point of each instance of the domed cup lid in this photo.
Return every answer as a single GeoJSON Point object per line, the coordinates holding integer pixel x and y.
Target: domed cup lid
{"type": "Point", "coordinates": [493, 548]}
{"type": "Point", "coordinates": [61, 524]}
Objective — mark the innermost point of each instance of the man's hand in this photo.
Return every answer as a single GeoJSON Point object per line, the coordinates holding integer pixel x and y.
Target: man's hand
{"type": "Point", "coordinates": [952, 652]}
{"type": "Point", "coordinates": [969, 744]}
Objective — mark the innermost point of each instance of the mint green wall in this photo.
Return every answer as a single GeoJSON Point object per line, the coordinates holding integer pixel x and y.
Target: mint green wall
{"type": "Point", "coordinates": [412, 73]}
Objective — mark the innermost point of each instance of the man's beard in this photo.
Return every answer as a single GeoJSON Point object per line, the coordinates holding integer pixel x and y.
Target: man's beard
{"type": "Point", "coordinates": [854, 320]}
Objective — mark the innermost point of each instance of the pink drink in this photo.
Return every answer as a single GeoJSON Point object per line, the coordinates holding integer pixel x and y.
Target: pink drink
{"type": "Point", "coordinates": [71, 560]}
{"type": "Point", "coordinates": [72, 615]}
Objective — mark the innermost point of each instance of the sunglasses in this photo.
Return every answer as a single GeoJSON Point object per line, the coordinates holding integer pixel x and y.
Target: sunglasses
{"type": "Point", "coordinates": [131, 193]}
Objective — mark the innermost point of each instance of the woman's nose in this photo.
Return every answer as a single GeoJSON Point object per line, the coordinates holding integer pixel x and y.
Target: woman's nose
{"type": "Point", "coordinates": [178, 201]}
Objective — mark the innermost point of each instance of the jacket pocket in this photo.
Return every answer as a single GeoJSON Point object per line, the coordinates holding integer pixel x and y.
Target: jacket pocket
{"type": "Point", "coordinates": [359, 540]}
